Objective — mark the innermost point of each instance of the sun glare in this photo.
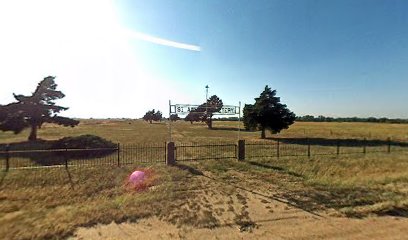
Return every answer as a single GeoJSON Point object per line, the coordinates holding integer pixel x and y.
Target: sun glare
{"type": "Point", "coordinates": [83, 44]}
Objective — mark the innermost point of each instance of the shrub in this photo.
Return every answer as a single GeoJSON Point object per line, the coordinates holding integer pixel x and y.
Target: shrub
{"type": "Point", "coordinates": [98, 147]}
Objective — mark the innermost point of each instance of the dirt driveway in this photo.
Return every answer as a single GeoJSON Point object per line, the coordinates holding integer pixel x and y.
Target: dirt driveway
{"type": "Point", "coordinates": [243, 207]}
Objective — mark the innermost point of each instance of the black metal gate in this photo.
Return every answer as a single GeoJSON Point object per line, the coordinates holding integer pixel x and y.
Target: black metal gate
{"type": "Point", "coordinates": [202, 151]}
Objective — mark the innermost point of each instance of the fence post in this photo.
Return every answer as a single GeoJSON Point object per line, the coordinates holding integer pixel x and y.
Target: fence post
{"type": "Point", "coordinates": [171, 160]}
{"type": "Point", "coordinates": [277, 148]}
{"type": "Point", "coordinates": [364, 145]}
{"type": "Point", "coordinates": [338, 147]}
{"type": "Point", "coordinates": [241, 150]}
{"type": "Point", "coordinates": [7, 157]}
{"type": "Point", "coordinates": [118, 154]}
{"type": "Point", "coordinates": [308, 148]}
{"type": "Point", "coordinates": [389, 145]}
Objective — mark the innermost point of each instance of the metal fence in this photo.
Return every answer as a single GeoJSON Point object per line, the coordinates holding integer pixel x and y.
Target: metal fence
{"type": "Point", "coordinates": [285, 147]}
{"type": "Point", "coordinates": [24, 157]}
{"type": "Point", "coordinates": [202, 151]}
{"type": "Point", "coordinates": [274, 149]}
{"type": "Point", "coordinates": [121, 155]}
{"type": "Point", "coordinates": [142, 153]}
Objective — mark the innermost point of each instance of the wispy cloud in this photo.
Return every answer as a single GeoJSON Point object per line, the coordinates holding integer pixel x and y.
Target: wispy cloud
{"type": "Point", "coordinates": [162, 41]}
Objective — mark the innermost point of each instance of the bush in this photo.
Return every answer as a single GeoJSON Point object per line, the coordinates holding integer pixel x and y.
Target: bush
{"type": "Point", "coordinates": [83, 141]}
{"type": "Point", "coordinates": [101, 147]}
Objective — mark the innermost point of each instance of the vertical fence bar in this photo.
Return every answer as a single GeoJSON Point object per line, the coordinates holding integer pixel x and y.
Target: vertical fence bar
{"type": "Point", "coordinates": [118, 154]}
{"type": "Point", "coordinates": [66, 158]}
{"type": "Point", "coordinates": [235, 156]}
{"type": "Point", "coordinates": [176, 149]}
{"type": "Point", "coordinates": [338, 147]}
{"type": "Point", "coordinates": [277, 148]}
{"type": "Point", "coordinates": [364, 145]}
{"type": "Point", "coordinates": [308, 147]}
{"type": "Point", "coordinates": [7, 157]}
{"type": "Point", "coordinates": [389, 145]}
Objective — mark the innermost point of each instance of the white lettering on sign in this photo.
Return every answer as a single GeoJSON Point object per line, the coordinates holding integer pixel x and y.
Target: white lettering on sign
{"type": "Point", "coordinates": [186, 108]}
{"type": "Point", "coordinates": [227, 110]}
{"type": "Point", "coordinates": [183, 108]}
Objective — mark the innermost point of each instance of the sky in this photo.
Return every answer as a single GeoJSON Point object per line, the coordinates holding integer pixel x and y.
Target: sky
{"type": "Point", "coordinates": [115, 59]}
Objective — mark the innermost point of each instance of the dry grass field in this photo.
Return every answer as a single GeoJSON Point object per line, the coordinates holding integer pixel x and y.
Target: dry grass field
{"type": "Point", "coordinates": [322, 197]}
{"type": "Point", "coordinates": [137, 131]}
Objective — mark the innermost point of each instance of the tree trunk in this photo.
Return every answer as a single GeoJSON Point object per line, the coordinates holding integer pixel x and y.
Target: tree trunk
{"type": "Point", "coordinates": [209, 123]}
{"type": "Point", "coordinates": [33, 133]}
{"type": "Point", "coordinates": [263, 133]}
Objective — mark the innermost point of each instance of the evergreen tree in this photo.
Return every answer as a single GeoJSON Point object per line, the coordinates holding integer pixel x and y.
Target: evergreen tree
{"type": "Point", "coordinates": [249, 117]}
{"type": "Point", "coordinates": [35, 110]}
{"type": "Point", "coordinates": [268, 113]}
{"type": "Point", "coordinates": [205, 111]}
{"type": "Point", "coordinates": [214, 104]}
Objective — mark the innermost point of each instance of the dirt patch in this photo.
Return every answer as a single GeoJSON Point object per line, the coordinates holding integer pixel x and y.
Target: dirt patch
{"type": "Point", "coordinates": [151, 228]}
{"type": "Point", "coordinates": [233, 209]}
{"type": "Point", "coordinates": [289, 227]}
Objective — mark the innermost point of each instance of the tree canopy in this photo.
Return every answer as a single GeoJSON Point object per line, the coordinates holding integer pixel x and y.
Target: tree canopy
{"type": "Point", "coordinates": [205, 111]}
{"type": "Point", "coordinates": [34, 110]}
{"type": "Point", "coordinates": [267, 113]}
{"type": "Point", "coordinates": [174, 117]}
{"type": "Point", "coordinates": [152, 115]}
{"type": "Point", "coordinates": [194, 116]}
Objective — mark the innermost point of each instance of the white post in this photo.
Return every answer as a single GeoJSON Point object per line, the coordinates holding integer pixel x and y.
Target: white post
{"type": "Point", "coordinates": [170, 121]}
{"type": "Point", "coordinates": [239, 120]}
{"type": "Point", "coordinates": [206, 99]}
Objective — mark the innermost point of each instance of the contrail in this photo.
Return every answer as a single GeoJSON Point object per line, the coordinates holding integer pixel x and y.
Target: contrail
{"type": "Point", "coordinates": [162, 41]}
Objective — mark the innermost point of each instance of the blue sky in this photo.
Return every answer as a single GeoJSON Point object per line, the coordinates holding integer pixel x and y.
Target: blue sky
{"type": "Point", "coordinates": [335, 58]}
